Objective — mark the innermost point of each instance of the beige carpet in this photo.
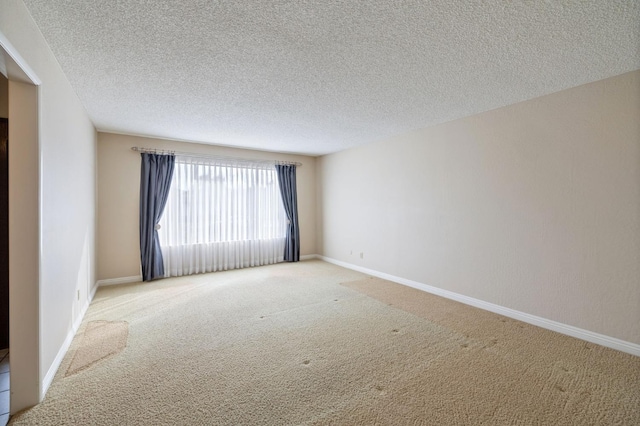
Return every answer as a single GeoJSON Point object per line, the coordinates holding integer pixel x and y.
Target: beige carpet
{"type": "Point", "coordinates": [288, 345]}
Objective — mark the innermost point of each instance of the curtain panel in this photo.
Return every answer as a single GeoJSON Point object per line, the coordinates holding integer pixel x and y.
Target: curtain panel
{"type": "Point", "coordinates": [288, 191]}
{"type": "Point", "coordinates": [156, 173]}
{"type": "Point", "coordinates": [221, 216]}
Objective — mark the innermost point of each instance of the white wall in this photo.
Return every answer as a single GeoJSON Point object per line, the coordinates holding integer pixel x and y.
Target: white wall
{"type": "Point", "coordinates": [534, 206]}
{"type": "Point", "coordinates": [118, 197]}
{"type": "Point", "coordinates": [67, 146]}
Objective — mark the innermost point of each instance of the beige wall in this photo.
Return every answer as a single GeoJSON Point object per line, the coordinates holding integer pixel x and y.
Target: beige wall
{"type": "Point", "coordinates": [65, 172]}
{"type": "Point", "coordinates": [534, 207]}
{"type": "Point", "coordinates": [4, 97]}
{"type": "Point", "coordinates": [118, 197]}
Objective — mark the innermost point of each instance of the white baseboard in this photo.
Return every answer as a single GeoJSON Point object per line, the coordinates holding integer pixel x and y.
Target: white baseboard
{"type": "Point", "coordinates": [94, 288]}
{"type": "Point", "coordinates": [53, 369]}
{"type": "Point", "coordinates": [309, 257]}
{"type": "Point", "coordinates": [116, 281]}
{"type": "Point", "coordinates": [138, 278]}
{"type": "Point", "coordinates": [589, 336]}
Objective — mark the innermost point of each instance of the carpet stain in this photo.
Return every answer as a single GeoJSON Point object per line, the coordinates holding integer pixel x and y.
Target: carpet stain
{"type": "Point", "coordinates": [100, 340]}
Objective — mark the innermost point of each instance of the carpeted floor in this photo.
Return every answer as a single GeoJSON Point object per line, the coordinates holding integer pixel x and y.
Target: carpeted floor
{"type": "Point", "coordinates": [311, 343]}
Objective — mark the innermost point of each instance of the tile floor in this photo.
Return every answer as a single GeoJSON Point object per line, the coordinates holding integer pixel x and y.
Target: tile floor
{"type": "Point", "coordinates": [4, 387]}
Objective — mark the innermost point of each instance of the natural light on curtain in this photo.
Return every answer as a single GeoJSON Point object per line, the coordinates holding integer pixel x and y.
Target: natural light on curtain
{"type": "Point", "coordinates": [221, 216]}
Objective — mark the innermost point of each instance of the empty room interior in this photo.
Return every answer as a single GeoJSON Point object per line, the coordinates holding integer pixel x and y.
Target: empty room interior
{"type": "Point", "coordinates": [309, 213]}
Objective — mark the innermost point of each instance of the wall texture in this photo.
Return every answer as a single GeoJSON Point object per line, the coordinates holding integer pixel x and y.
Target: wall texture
{"type": "Point", "coordinates": [534, 206]}
{"type": "Point", "coordinates": [118, 197]}
{"type": "Point", "coordinates": [67, 142]}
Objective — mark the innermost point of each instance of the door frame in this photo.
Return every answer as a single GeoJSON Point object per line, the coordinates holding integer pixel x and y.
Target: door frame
{"type": "Point", "coordinates": [25, 215]}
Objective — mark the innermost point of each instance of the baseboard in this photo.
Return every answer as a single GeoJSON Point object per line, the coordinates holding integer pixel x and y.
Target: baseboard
{"type": "Point", "coordinates": [589, 336]}
{"type": "Point", "coordinates": [309, 257]}
{"type": "Point", "coordinates": [122, 280]}
{"type": "Point", "coordinates": [138, 278]}
{"type": "Point", "coordinates": [94, 288]}
{"type": "Point", "coordinates": [53, 369]}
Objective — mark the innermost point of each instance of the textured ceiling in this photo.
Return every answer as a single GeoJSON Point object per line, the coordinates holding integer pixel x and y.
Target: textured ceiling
{"type": "Point", "coordinates": [316, 77]}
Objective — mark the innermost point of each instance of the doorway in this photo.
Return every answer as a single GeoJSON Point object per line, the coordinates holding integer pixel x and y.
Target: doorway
{"type": "Point", "coordinates": [4, 233]}
{"type": "Point", "coordinates": [4, 252]}
{"type": "Point", "coordinates": [4, 214]}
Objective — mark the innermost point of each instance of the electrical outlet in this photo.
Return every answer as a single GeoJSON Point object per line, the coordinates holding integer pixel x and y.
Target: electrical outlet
{"type": "Point", "coordinates": [361, 255]}
{"type": "Point", "coordinates": [78, 292]}
{"type": "Point", "coordinates": [351, 252]}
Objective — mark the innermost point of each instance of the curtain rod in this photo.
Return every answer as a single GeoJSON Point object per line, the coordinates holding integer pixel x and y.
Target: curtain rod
{"type": "Point", "coordinates": [214, 157]}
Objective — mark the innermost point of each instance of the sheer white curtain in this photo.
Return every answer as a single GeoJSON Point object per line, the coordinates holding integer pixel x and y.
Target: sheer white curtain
{"type": "Point", "coordinates": [221, 216]}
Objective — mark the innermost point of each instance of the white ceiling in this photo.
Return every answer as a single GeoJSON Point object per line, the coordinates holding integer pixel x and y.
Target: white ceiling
{"type": "Point", "coordinates": [316, 77]}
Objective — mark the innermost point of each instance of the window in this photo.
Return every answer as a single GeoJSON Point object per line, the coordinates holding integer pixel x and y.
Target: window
{"type": "Point", "coordinates": [221, 216]}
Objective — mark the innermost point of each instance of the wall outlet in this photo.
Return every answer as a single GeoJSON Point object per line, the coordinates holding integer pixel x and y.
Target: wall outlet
{"type": "Point", "coordinates": [78, 292]}
{"type": "Point", "coordinates": [361, 255]}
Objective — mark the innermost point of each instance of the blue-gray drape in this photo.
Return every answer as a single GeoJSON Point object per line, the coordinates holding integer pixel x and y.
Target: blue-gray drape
{"type": "Point", "coordinates": [287, 180]}
{"type": "Point", "coordinates": [156, 172]}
